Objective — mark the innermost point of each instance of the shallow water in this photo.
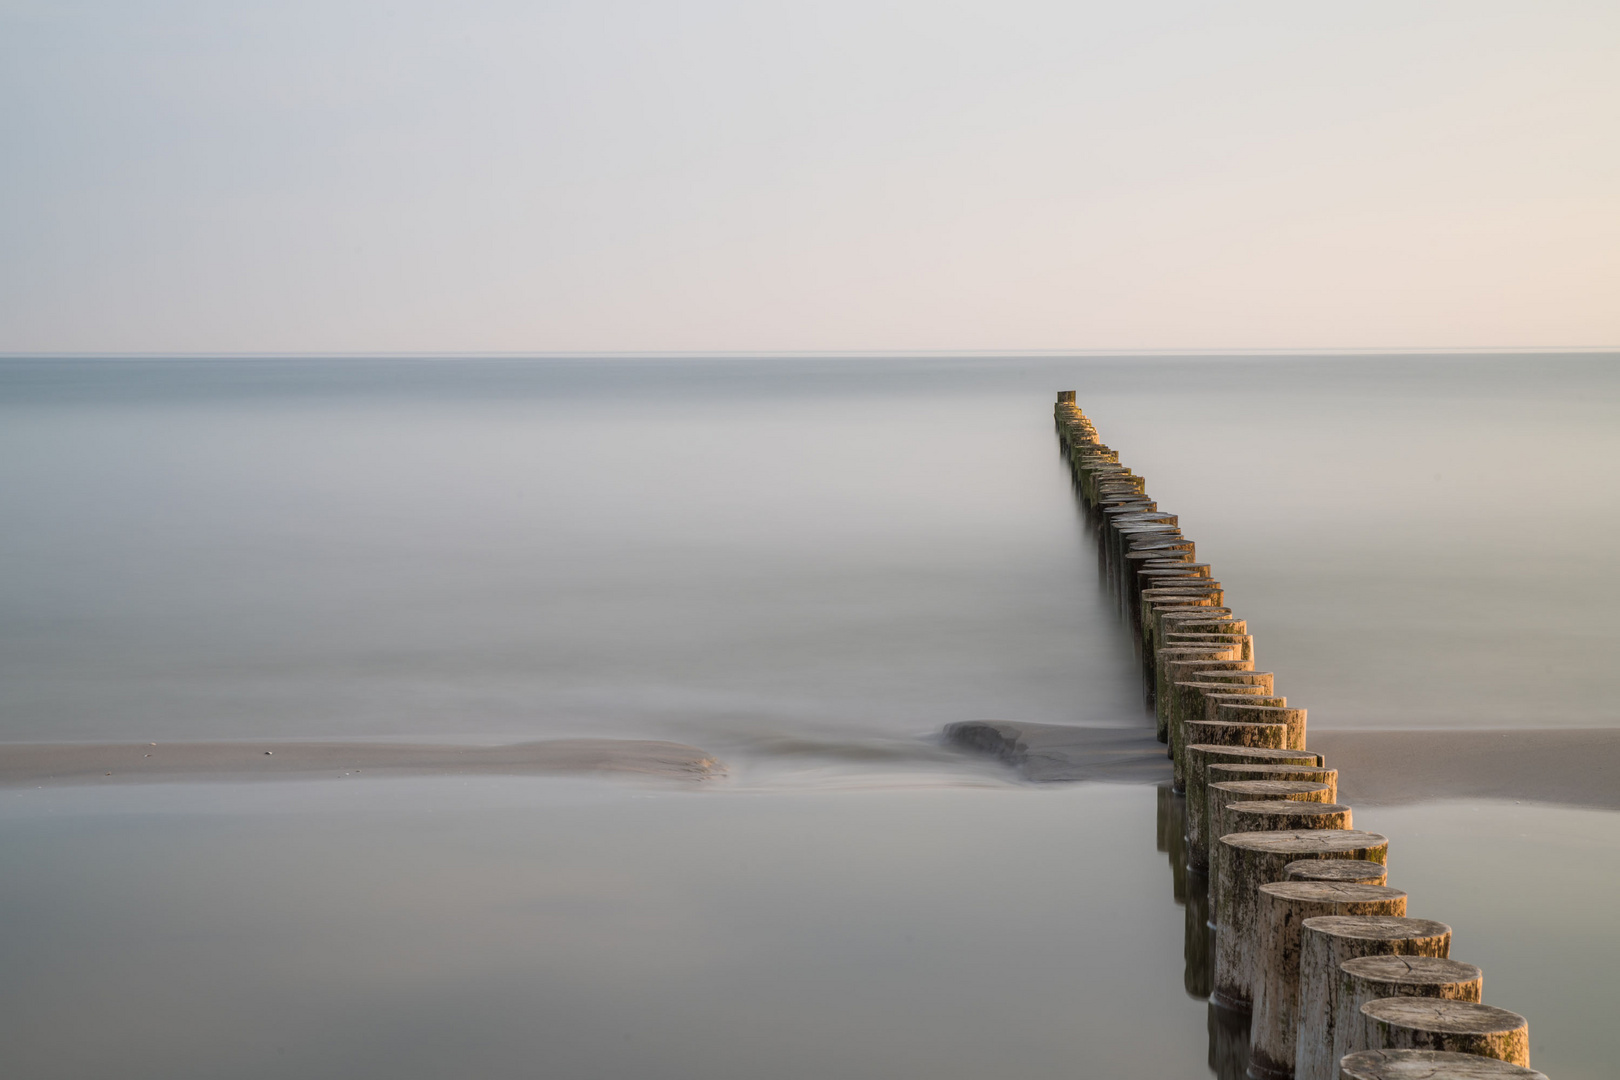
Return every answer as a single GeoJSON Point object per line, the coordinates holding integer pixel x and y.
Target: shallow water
{"type": "Point", "coordinates": [515, 927]}
{"type": "Point", "coordinates": [522, 928]}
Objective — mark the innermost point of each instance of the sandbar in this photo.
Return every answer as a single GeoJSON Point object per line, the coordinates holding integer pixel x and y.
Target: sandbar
{"type": "Point", "coordinates": [73, 763]}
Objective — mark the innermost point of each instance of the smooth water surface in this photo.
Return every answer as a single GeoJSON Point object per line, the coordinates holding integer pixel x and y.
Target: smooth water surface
{"type": "Point", "coordinates": [525, 928]}
{"type": "Point", "coordinates": [728, 550]}
{"type": "Point", "coordinates": [489, 927]}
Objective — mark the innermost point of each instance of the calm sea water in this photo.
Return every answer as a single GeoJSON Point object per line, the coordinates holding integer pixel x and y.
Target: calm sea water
{"type": "Point", "coordinates": [839, 554]}
{"type": "Point", "coordinates": [713, 548]}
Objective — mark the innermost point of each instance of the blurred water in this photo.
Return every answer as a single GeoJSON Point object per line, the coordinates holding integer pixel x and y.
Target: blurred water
{"type": "Point", "coordinates": [728, 549]}
{"type": "Point", "coordinates": [803, 565]}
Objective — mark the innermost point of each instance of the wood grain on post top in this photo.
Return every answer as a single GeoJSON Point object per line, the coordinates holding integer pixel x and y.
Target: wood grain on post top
{"type": "Point", "coordinates": [1464, 1027]}
{"type": "Point", "coordinates": [1282, 910]}
{"type": "Point", "coordinates": [1430, 1065]}
{"type": "Point", "coordinates": [1370, 978]}
{"type": "Point", "coordinates": [1325, 944]}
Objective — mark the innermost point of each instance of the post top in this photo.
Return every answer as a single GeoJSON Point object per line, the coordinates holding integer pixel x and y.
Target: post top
{"type": "Point", "coordinates": [1376, 927]}
{"type": "Point", "coordinates": [1442, 1014]}
{"type": "Point", "coordinates": [1415, 970]}
{"type": "Point", "coordinates": [1430, 1065]}
{"type": "Point", "coordinates": [1334, 892]}
{"type": "Point", "coordinates": [1308, 841]}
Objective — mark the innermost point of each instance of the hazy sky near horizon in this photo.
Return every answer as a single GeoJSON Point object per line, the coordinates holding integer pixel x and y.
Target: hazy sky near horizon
{"type": "Point", "coordinates": [182, 175]}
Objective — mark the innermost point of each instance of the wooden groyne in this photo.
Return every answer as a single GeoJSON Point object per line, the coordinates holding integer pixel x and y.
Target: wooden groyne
{"type": "Point", "coordinates": [1311, 974]}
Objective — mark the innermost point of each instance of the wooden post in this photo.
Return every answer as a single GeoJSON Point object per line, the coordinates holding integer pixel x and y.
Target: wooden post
{"type": "Point", "coordinates": [1200, 758]}
{"type": "Point", "coordinates": [1324, 945]}
{"type": "Point", "coordinates": [1214, 733]}
{"type": "Point", "coordinates": [1176, 662]}
{"type": "Point", "coordinates": [1174, 637]}
{"type": "Point", "coordinates": [1340, 871]}
{"type": "Point", "coordinates": [1429, 1065]}
{"type": "Point", "coordinates": [1187, 703]}
{"type": "Point", "coordinates": [1242, 862]}
{"type": "Point", "coordinates": [1279, 815]}
{"type": "Point", "coordinates": [1463, 1027]}
{"type": "Point", "coordinates": [1229, 773]}
{"type": "Point", "coordinates": [1283, 906]}
{"type": "Point", "coordinates": [1246, 713]}
{"type": "Point", "coordinates": [1370, 978]}
{"type": "Point", "coordinates": [1214, 699]}
{"type": "Point", "coordinates": [1223, 793]}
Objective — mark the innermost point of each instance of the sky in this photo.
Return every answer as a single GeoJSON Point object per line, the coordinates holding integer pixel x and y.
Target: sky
{"type": "Point", "coordinates": [201, 176]}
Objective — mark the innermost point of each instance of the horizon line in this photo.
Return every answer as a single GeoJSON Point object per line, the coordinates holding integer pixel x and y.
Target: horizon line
{"type": "Point", "coordinates": [770, 354]}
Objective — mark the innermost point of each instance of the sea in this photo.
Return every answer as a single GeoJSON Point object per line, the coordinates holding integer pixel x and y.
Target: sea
{"type": "Point", "coordinates": [808, 566]}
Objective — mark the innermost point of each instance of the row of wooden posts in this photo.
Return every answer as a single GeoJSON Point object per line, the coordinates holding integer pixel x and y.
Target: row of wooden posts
{"type": "Point", "coordinates": [1311, 944]}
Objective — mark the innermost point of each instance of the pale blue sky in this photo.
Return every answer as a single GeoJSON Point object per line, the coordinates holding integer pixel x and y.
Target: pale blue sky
{"type": "Point", "coordinates": [347, 175]}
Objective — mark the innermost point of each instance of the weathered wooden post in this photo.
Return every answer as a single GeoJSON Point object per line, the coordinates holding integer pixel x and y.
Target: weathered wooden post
{"type": "Point", "coordinates": [1226, 792]}
{"type": "Point", "coordinates": [1430, 1065]}
{"type": "Point", "coordinates": [1279, 815]}
{"type": "Point", "coordinates": [1187, 703]}
{"type": "Point", "coordinates": [1370, 978]}
{"type": "Point", "coordinates": [1175, 636]}
{"type": "Point", "coordinates": [1215, 733]}
{"type": "Point", "coordinates": [1327, 943]}
{"type": "Point", "coordinates": [1463, 1027]}
{"type": "Point", "coordinates": [1180, 661]}
{"type": "Point", "coordinates": [1338, 871]}
{"type": "Point", "coordinates": [1200, 759]}
{"type": "Point", "coordinates": [1242, 862]}
{"type": "Point", "coordinates": [1227, 773]}
{"type": "Point", "coordinates": [1283, 906]}
{"type": "Point", "coordinates": [1231, 773]}
{"type": "Point", "coordinates": [1241, 695]}
{"type": "Point", "coordinates": [1245, 713]}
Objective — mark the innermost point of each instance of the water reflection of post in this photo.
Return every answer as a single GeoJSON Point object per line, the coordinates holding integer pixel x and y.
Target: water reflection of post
{"type": "Point", "coordinates": [1198, 944]}
{"type": "Point", "coordinates": [1228, 1044]}
{"type": "Point", "coordinates": [1173, 838]}
{"type": "Point", "coordinates": [1191, 890]}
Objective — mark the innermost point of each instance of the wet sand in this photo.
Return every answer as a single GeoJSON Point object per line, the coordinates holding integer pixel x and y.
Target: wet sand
{"type": "Point", "coordinates": [92, 763]}
{"type": "Point", "coordinates": [1565, 767]}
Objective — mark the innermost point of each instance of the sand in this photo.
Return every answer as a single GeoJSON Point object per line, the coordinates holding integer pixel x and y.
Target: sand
{"type": "Point", "coordinates": [1563, 766]}
{"type": "Point", "coordinates": [35, 764]}
{"type": "Point", "coordinates": [1568, 767]}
